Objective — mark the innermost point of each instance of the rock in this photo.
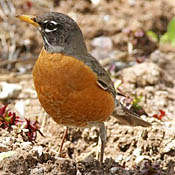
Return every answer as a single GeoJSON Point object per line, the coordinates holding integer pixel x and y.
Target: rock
{"type": "Point", "coordinates": [9, 90]}
{"type": "Point", "coordinates": [146, 74]}
{"type": "Point", "coordinates": [102, 42]}
{"type": "Point", "coordinates": [137, 152]}
{"type": "Point", "coordinates": [95, 2]}
{"type": "Point", "coordinates": [142, 74]}
{"type": "Point", "coordinates": [20, 107]}
{"type": "Point", "coordinates": [119, 158]}
{"type": "Point", "coordinates": [131, 2]}
{"type": "Point", "coordinates": [102, 47]}
{"type": "Point", "coordinates": [139, 159]}
{"type": "Point", "coordinates": [39, 150]}
{"type": "Point", "coordinates": [113, 170]}
{"type": "Point", "coordinates": [169, 147]}
{"type": "Point", "coordinates": [26, 145]}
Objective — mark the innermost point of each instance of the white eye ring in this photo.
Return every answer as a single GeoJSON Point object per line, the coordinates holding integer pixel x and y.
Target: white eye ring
{"type": "Point", "coordinates": [50, 30]}
{"type": "Point", "coordinates": [53, 22]}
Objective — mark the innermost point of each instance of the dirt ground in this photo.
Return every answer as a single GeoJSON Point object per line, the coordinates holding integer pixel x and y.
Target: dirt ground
{"type": "Point", "coordinates": [109, 28]}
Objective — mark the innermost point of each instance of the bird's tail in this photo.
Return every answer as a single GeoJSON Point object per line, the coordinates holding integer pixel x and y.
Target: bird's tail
{"type": "Point", "coordinates": [127, 117]}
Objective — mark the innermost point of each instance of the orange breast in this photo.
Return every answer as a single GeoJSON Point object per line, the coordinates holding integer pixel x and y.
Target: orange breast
{"type": "Point", "coordinates": [68, 91]}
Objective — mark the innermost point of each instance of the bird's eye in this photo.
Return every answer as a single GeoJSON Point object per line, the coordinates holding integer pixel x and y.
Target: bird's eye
{"type": "Point", "coordinates": [50, 26]}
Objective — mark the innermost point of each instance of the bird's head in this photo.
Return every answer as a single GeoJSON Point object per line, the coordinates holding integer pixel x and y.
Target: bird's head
{"type": "Point", "coordinates": [60, 33]}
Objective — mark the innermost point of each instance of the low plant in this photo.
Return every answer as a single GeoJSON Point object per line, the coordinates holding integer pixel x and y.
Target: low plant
{"type": "Point", "coordinates": [168, 37]}
{"type": "Point", "coordinates": [25, 127]}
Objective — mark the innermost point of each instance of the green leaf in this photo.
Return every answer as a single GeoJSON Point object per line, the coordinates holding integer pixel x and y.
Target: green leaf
{"type": "Point", "coordinates": [164, 38]}
{"type": "Point", "coordinates": [7, 118]}
{"type": "Point", "coordinates": [152, 35]}
{"type": "Point", "coordinates": [6, 154]}
{"type": "Point", "coordinates": [136, 102]}
{"type": "Point", "coordinates": [171, 31]}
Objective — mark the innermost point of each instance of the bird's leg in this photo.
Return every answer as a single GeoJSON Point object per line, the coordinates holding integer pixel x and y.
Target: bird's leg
{"type": "Point", "coordinates": [62, 141]}
{"type": "Point", "coordinates": [101, 142]}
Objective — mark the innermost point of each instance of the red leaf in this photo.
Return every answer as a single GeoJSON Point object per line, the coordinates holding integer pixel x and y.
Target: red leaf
{"type": "Point", "coordinates": [160, 115]}
{"type": "Point", "coordinates": [162, 112]}
{"type": "Point", "coordinates": [3, 109]}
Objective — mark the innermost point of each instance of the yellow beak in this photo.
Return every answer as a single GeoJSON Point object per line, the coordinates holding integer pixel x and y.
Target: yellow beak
{"type": "Point", "coordinates": [28, 19]}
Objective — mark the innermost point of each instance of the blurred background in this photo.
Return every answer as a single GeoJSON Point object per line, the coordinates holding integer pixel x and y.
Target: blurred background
{"type": "Point", "coordinates": [108, 26]}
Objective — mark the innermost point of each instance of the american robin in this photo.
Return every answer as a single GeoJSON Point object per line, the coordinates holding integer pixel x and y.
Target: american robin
{"type": "Point", "coordinates": [72, 86]}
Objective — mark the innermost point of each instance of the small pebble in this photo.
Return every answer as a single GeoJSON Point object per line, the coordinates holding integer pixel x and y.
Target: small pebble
{"type": "Point", "coordinates": [113, 170]}
{"type": "Point", "coordinates": [137, 152]}
{"type": "Point", "coordinates": [20, 107]}
{"type": "Point", "coordinates": [26, 145]}
{"type": "Point", "coordinates": [39, 150]}
{"type": "Point", "coordinates": [169, 147]}
{"type": "Point", "coordinates": [95, 2]}
{"type": "Point", "coordinates": [139, 159]}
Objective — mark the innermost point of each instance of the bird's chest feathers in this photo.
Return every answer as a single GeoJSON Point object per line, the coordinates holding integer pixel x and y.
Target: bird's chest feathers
{"type": "Point", "coordinates": [61, 74]}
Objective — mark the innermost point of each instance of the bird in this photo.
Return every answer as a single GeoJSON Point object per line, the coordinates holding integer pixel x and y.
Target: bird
{"type": "Point", "coordinates": [71, 85]}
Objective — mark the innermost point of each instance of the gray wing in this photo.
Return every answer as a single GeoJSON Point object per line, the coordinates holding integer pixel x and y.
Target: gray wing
{"type": "Point", "coordinates": [104, 80]}
{"type": "Point", "coordinates": [127, 117]}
